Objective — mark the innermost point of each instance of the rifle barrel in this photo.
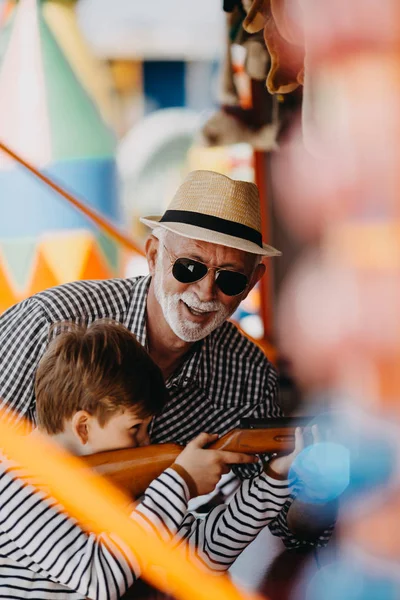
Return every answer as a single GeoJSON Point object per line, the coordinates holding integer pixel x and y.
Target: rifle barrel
{"type": "Point", "coordinates": [133, 469]}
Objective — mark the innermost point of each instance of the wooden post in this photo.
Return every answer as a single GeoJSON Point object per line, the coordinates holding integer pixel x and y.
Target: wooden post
{"type": "Point", "coordinates": [266, 283]}
{"type": "Point", "coordinates": [262, 103]}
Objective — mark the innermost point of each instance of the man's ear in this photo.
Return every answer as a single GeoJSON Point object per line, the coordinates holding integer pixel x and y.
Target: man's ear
{"type": "Point", "coordinates": [80, 426]}
{"type": "Point", "coordinates": [151, 249]}
{"type": "Point", "coordinates": [255, 278]}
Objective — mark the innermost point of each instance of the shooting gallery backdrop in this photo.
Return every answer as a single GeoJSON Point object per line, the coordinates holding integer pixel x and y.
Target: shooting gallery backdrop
{"type": "Point", "coordinates": [60, 108]}
{"type": "Point", "coordinates": [53, 105]}
{"type": "Point", "coordinates": [347, 212]}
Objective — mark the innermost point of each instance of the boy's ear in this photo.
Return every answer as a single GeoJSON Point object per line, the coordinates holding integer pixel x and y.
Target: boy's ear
{"type": "Point", "coordinates": [80, 426]}
{"type": "Point", "coordinates": [151, 249]}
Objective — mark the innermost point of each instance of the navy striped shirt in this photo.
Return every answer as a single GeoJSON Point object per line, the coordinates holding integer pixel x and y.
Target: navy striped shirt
{"type": "Point", "coordinates": [45, 554]}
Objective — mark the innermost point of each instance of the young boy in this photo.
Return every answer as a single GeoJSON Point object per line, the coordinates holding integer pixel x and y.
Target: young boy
{"type": "Point", "coordinates": [97, 389]}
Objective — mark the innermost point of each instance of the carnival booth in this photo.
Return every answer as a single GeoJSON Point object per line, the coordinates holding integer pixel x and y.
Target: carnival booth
{"type": "Point", "coordinates": [104, 111]}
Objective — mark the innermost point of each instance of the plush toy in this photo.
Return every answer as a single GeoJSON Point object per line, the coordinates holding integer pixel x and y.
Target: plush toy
{"type": "Point", "coordinates": [257, 12]}
{"type": "Point", "coordinates": [256, 63]}
{"type": "Point", "coordinates": [287, 61]}
{"type": "Point", "coordinates": [232, 125]}
{"type": "Point", "coordinates": [235, 123]}
{"type": "Point", "coordinates": [281, 37]}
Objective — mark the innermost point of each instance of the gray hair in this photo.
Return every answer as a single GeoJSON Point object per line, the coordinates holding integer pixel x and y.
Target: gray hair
{"type": "Point", "coordinates": [159, 233]}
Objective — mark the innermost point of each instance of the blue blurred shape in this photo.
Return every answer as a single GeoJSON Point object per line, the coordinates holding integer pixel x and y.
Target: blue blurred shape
{"type": "Point", "coordinates": [372, 464]}
{"type": "Point", "coordinates": [324, 469]}
{"type": "Point", "coordinates": [344, 581]}
{"type": "Point", "coordinates": [359, 457]}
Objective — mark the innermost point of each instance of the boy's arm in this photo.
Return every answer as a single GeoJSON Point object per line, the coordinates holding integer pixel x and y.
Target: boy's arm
{"type": "Point", "coordinates": [217, 540]}
{"type": "Point", "coordinates": [96, 566]}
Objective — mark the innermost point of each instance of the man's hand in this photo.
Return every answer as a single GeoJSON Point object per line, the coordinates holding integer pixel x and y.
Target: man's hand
{"type": "Point", "coordinates": [280, 466]}
{"type": "Point", "coordinates": [204, 466]}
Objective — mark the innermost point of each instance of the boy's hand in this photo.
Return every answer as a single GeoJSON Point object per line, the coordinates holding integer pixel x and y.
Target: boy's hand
{"type": "Point", "coordinates": [204, 466]}
{"type": "Point", "coordinates": [281, 465]}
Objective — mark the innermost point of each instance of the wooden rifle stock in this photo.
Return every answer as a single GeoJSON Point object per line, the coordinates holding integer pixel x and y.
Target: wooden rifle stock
{"type": "Point", "coordinates": [133, 469]}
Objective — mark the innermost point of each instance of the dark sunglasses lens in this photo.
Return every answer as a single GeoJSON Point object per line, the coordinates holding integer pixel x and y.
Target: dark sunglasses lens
{"type": "Point", "coordinates": [188, 271]}
{"type": "Point", "coordinates": [231, 283]}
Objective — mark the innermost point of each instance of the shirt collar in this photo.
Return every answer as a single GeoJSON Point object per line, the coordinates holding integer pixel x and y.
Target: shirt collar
{"type": "Point", "coordinates": [194, 367]}
{"type": "Point", "coordinates": [188, 371]}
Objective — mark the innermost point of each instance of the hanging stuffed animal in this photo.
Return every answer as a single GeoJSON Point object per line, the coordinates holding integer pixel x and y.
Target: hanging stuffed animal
{"type": "Point", "coordinates": [234, 122]}
{"type": "Point", "coordinates": [234, 125]}
{"type": "Point", "coordinates": [286, 71]}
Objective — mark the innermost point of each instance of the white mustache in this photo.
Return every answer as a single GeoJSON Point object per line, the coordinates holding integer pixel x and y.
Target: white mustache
{"type": "Point", "coordinates": [193, 301]}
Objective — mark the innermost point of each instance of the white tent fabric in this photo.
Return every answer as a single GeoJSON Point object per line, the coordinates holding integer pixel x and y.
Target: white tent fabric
{"type": "Point", "coordinates": [25, 125]}
{"type": "Point", "coordinates": [161, 29]}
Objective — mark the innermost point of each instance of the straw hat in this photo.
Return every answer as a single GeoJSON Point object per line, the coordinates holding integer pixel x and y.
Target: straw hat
{"type": "Point", "coordinates": [211, 207]}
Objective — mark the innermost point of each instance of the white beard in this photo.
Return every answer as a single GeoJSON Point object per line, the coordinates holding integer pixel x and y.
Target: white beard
{"type": "Point", "coordinates": [184, 329]}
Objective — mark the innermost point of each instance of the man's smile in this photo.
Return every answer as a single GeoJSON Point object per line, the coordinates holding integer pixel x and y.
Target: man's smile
{"type": "Point", "coordinates": [196, 312]}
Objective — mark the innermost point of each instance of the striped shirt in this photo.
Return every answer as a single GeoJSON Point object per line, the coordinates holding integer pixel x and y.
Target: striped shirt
{"type": "Point", "coordinates": [224, 378]}
{"type": "Point", "coordinates": [46, 554]}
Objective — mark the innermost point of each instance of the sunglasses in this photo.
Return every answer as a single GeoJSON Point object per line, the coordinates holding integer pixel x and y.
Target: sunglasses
{"type": "Point", "coordinates": [188, 270]}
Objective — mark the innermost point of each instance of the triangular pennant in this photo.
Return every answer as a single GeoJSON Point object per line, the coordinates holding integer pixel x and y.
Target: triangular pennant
{"type": "Point", "coordinates": [19, 256]}
{"type": "Point", "coordinates": [42, 277]}
{"type": "Point", "coordinates": [66, 253]}
{"type": "Point", "coordinates": [24, 123]}
{"type": "Point", "coordinates": [8, 296]}
{"type": "Point", "coordinates": [95, 266]}
{"type": "Point", "coordinates": [77, 129]}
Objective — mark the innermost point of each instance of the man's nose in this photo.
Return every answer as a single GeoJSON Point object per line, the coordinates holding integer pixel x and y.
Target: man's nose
{"type": "Point", "coordinates": [207, 288]}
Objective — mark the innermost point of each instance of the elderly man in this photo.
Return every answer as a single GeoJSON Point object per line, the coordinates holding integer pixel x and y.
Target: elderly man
{"type": "Point", "coordinates": [204, 257]}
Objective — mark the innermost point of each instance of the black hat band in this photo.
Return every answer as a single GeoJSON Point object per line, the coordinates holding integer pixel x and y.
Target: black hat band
{"type": "Point", "coordinates": [214, 224]}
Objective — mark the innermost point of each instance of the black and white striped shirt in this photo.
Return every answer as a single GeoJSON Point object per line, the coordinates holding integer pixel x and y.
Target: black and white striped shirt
{"type": "Point", "coordinates": [225, 378]}
{"type": "Point", "coordinates": [46, 554]}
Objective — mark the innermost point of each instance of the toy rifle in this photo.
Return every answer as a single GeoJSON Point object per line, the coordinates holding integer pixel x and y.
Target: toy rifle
{"type": "Point", "coordinates": [133, 469]}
